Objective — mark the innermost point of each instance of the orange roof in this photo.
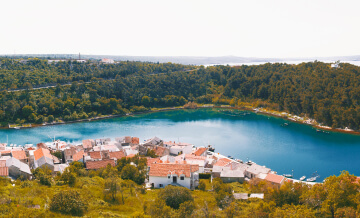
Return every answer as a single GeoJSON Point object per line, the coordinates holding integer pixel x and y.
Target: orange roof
{"type": "Point", "coordinates": [117, 154]}
{"type": "Point", "coordinates": [4, 171]}
{"type": "Point", "coordinates": [135, 140]}
{"type": "Point", "coordinates": [159, 151]}
{"type": "Point", "coordinates": [41, 145]}
{"type": "Point", "coordinates": [192, 156]}
{"type": "Point", "coordinates": [164, 169]}
{"type": "Point", "coordinates": [95, 154]}
{"type": "Point", "coordinates": [152, 160]}
{"type": "Point", "coordinates": [130, 155]}
{"type": "Point", "coordinates": [274, 178]}
{"type": "Point", "coordinates": [88, 143]}
{"type": "Point", "coordinates": [92, 165]}
{"type": "Point", "coordinates": [5, 152]}
{"type": "Point", "coordinates": [20, 155]}
{"type": "Point", "coordinates": [200, 151]}
{"type": "Point", "coordinates": [222, 162]}
{"type": "Point", "coordinates": [78, 155]}
{"type": "Point", "coordinates": [2, 163]}
{"type": "Point", "coordinates": [42, 152]}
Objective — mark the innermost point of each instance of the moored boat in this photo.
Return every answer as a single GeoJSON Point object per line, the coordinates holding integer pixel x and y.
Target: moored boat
{"type": "Point", "coordinates": [311, 179]}
{"type": "Point", "coordinates": [302, 178]}
{"type": "Point", "coordinates": [288, 175]}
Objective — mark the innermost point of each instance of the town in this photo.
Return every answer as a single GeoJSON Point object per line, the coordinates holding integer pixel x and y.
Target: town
{"type": "Point", "coordinates": [168, 163]}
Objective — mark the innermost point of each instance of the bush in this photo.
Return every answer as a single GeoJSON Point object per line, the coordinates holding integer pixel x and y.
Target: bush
{"type": "Point", "coordinates": [174, 196]}
{"type": "Point", "coordinates": [68, 202]}
{"type": "Point", "coordinates": [202, 185]}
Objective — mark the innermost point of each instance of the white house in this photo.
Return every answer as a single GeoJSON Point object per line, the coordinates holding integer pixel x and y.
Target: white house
{"type": "Point", "coordinates": [155, 141]}
{"type": "Point", "coordinates": [163, 174]}
{"type": "Point", "coordinates": [184, 148]}
{"type": "Point", "coordinates": [256, 171]}
{"type": "Point", "coordinates": [107, 61]}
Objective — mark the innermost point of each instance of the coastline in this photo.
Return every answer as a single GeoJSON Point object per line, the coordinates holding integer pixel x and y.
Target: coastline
{"type": "Point", "coordinates": [282, 115]}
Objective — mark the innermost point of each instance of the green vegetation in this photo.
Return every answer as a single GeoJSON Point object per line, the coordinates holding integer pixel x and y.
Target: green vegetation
{"type": "Point", "coordinates": [103, 193]}
{"type": "Point", "coordinates": [313, 89]}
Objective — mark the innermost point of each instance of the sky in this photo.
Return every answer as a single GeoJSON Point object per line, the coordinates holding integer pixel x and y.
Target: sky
{"type": "Point", "coordinates": [252, 28]}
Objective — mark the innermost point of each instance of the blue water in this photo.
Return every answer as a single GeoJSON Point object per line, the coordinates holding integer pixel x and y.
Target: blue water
{"type": "Point", "coordinates": [260, 138]}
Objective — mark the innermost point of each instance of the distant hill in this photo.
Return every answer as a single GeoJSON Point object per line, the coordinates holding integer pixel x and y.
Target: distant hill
{"type": "Point", "coordinates": [192, 60]}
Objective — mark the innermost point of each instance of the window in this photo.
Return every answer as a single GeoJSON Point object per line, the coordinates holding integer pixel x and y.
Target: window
{"type": "Point", "coordinates": [168, 176]}
{"type": "Point", "coordinates": [160, 185]}
{"type": "Point", "coordinates": [182, 178]}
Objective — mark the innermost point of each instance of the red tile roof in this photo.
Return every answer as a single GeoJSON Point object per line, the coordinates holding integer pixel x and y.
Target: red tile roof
{"type": "Point", "coordinates": [41, 152]}
{"type": "Point", "coordinates": [130, 155]}
{"type": "Point", "coordinates": [5, 152]}
{"type": "Point", "coordinates": [135, 140]}
{"type": "Point", "coordinates": [41, 145]}
{"type": "Point", "coordinates": [159, 151]}
{"type": "Point", "coordinates": [95, 154]}
{"type": "Point", "coordinates": [200, 151]}
{"type": "Point", "coordinates": [20, 155]}
{"type": "Point", "coordinates": [92, 165]}
{"type": "Point", "coordinates": [88, 143]}
{"type": "Point", "coordinates": [117, 154]}
{"type": "Point", "coordinates": [222, 162]}
{"type": "Point", "coordinates": [153, 160]}
{"type": "Point", "coordinates": [274, 178]}
{"type": "Point", "coordinates": [2, 163]}
{"type": "Point", "coordinates": [4, 171]}
{"type": "Point", "coordinates": [165, 169]}
{"type": "Point", "coordinates": [78, 155]}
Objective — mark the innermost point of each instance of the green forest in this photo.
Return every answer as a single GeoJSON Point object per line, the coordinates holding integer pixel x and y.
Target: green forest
{"type": "Point", "coordinates": [82, 90]}
{"type": "Point", "coordinates": [118, 192]}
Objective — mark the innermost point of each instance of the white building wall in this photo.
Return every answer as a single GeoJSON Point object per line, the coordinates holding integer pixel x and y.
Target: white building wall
{"type": "Point", "coordinates": [187, 149]}
{"type": "Point", "coordinates": [157, 180]}
{"type": "Point", "coordinates": [175, 150]}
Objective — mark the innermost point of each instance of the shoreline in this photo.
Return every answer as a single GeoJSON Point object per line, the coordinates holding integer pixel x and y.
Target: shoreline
{"type": "Point", "coordinates": [282, 115]}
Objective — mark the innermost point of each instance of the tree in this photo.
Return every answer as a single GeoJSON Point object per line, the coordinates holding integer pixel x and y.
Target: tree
{"type": "Point", "coordinates": [27, 110]}
{"type": "Point", "coordinates": [110, 190]}
{"type": "Point", "coordinates": [186, 209]}
{"type": "Point", "coordinates": [159, 209]}
{"type": "Point", "coordinates": [174, 196]}
{"type": "Point", "coordinates": [68, 202]}
{"type": "Point", "coordinates": [130, 172]}
{"type": "Point", "coordinates": [68, 177]}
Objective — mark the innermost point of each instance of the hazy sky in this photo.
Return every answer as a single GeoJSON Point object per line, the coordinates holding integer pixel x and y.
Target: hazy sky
{"type": "Point", "coordinates": [249, 28]}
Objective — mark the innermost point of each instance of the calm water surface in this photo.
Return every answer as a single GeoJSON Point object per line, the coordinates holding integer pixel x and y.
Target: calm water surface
{"type": "Point", "coordinates": [262, 139]}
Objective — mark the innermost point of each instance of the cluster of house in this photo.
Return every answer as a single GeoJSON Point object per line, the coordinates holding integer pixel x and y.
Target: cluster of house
{"type": "Point", "coordinates": [175, 163]}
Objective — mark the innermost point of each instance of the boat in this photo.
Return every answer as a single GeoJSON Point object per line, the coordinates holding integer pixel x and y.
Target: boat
{"type": "Point", "coordinates": [302, 178]}
{"type": "Point", "coordinates": [288, 175]}
{"type": "Point", "coordinates": [311, 179]}
{"type": "Point", "coordinates": [210, 148]}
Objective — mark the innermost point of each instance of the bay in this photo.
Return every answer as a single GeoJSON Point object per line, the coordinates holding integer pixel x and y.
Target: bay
{"type": "Point", "coordinates": [241, 134]}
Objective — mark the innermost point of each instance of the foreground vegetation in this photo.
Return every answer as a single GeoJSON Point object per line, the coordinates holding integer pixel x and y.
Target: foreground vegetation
{"type": "Point", "coordinates": [314, 89]}
{"type": "Point", "coordinates": [119, 192]}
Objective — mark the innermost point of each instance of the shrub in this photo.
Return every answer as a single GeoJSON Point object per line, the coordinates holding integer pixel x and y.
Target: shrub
{"type": "Point", "coordinates": [174, 196]}
{"type": "Point", "coordinates": [68, 202]}
{"type": "Point", "coordinates": [202, 185]}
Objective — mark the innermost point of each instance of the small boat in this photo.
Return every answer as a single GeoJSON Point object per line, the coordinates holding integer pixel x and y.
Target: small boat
{"type": "Point", "coordinates": [286, 124]}
{"type": "Point", "coordinates": [302, 178]}
{"type": "Point", "coordinates": [288, 175]}
{"type": "Point", "coordinates": [210, 148]}
{"type": "Point", "coordinates": [311, 179]}
{"type": "Point", "coordinates": [17, 127]}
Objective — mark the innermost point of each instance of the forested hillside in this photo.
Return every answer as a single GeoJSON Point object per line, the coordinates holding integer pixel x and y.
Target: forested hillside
{"type": "Point", "coordinates": [314, 89]}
